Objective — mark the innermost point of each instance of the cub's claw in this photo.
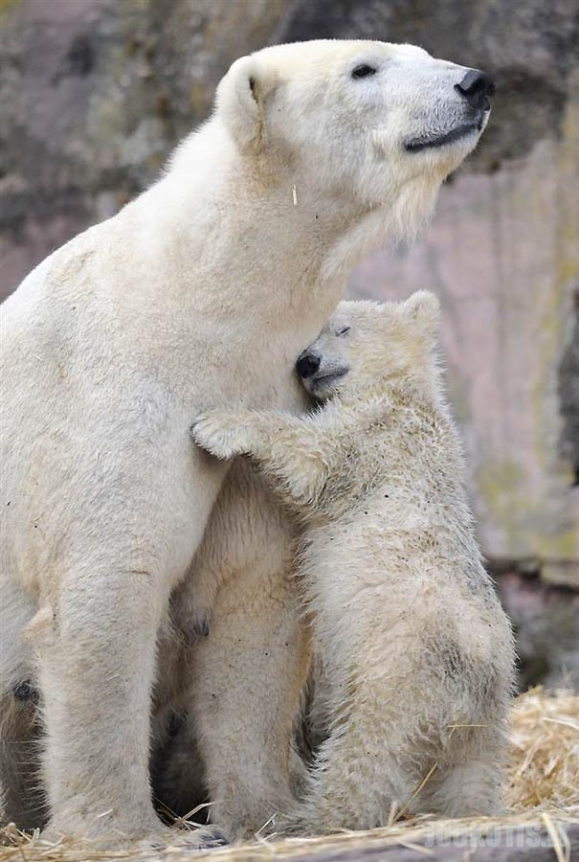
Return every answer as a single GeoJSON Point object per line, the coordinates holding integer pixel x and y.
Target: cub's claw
{"type": "Point", "coordinates": [211, 838]}
{"type": "Point", "coordinates": [200, 627]}
{"type": "Point", "coordinates": [187, 838]}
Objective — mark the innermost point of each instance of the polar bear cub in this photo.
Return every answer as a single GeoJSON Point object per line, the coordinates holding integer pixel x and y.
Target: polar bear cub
{"type": "Point", "coordinates": [416, 650]}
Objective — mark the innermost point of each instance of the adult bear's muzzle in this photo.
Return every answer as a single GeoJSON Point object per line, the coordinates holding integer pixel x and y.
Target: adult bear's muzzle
{"type": "Point", "coordinates": [477, 87]}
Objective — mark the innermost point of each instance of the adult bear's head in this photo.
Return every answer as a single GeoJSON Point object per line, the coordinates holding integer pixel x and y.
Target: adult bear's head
{"type": "Point", "coordinates": [373, 122]}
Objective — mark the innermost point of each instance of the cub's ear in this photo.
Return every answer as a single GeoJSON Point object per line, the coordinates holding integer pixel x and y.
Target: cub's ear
{"type": "Point", "coordinates": [423, 308]}
{"type": "Point", "coordinates": [240, 100]}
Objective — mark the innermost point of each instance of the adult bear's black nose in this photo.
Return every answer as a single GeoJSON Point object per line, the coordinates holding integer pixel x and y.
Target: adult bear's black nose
{"type": "Point", "coordinates": [476, 86]}
{"type": "Point", "coordinates": [307, 365]}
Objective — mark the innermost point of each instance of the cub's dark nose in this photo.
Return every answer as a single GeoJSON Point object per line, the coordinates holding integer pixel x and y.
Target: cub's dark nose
{"type": "Point", "coordinates": [476, 86]}
{"type": "Point", "coordinates": [307, 365]}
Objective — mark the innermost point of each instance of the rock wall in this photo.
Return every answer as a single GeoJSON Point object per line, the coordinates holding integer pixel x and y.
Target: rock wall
{"type": "Point", "coordinates": [95, 93]}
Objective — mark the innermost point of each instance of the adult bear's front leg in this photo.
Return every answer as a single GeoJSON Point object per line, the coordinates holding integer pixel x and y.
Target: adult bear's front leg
{"type": "Point", "coordinates": [96, 653]}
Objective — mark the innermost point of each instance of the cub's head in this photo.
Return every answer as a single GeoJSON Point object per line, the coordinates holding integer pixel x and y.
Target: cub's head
{"type": "Point", "coordinates": [372, 121]}
{"type": "Point", "coordinates": [366, 347]}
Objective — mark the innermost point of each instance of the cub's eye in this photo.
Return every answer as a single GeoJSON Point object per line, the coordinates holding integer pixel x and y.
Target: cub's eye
{"type": "Point", "coordinates": [343, 331]}
{"type": "Point", "coordinates": [363, 71]}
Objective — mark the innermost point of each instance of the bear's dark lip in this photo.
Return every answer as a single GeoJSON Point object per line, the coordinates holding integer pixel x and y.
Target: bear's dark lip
{"type": "Point", "coordinates": [416, 145]}
{"type": "Point", "coordinates": [324, 380]}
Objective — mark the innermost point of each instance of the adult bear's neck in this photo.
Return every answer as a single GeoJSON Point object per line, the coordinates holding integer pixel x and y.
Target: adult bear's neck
{"type": "Point", "coordinates": [249, 229]}
{"type": "Point", "coordinates": [220, 264]}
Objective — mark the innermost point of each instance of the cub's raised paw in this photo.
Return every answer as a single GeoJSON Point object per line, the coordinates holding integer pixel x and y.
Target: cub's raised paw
{"type": "Point", "coordinates": [220, 434]}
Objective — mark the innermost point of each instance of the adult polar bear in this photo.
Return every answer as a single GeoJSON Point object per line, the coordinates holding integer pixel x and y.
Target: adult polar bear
{"type": "Point", "coordinates": [316, 153]}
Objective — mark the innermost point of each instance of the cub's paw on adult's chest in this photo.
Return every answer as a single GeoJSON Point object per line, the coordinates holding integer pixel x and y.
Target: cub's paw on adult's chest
{"type": "Point", "coordinates": [224, 433]}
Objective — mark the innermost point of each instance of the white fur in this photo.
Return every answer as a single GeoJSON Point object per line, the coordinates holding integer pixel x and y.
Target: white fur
{"type": "Point", "coordinates": [177, 304]}
{"type": "Point", "coordinates": [238, 632]}
{"type": "Point", "coordinates": [417, 654]}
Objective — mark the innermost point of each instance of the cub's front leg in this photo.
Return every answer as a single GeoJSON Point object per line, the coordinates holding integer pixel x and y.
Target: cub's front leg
{"type": "Point", "coordinates": [227, 432]}
{"type": "Point", "coordinates": [288, 448]}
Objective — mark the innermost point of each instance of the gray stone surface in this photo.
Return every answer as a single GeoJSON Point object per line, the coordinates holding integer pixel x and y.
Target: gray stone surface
{"type": "Point", "coordinates": [545, 624]}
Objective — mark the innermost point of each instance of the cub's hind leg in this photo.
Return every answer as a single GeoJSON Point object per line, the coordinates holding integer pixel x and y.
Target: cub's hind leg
{"type": "Point", "coordinates": [357, 777]}
{"type": "Point", "coordinates": [469, 779]}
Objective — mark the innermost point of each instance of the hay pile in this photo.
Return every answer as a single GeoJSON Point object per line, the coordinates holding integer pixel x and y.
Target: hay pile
{"type": "Point", "coordinates": [543, 796]}
{"type": "Point", "coordinates": [544, 769]}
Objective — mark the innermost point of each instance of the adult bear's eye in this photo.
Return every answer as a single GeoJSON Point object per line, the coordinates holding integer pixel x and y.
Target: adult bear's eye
{"type": "Point", "coordinates": [343, 331]}
{"type": "Point", "coordinates": [363, 71]}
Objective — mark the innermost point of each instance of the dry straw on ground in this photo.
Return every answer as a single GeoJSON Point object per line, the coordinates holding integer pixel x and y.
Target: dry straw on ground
{"type": "Point", "coordinates": [543, 794]}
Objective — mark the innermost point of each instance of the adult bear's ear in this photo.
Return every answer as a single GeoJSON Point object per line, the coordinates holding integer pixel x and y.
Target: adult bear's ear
{"type": "Point", "coordinates": [423, 308]}
{"type": "Point", "coordinates": [240, 102]}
